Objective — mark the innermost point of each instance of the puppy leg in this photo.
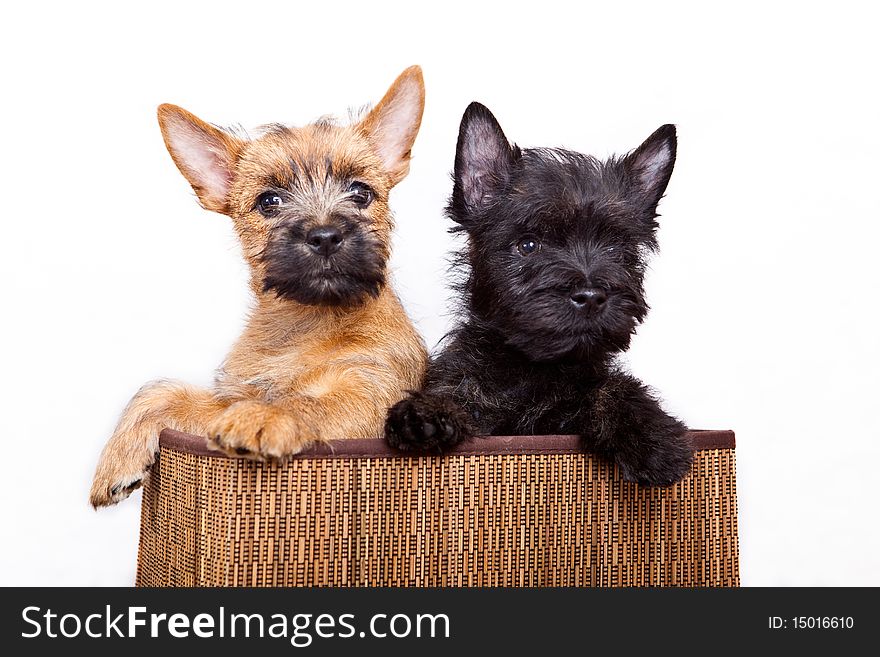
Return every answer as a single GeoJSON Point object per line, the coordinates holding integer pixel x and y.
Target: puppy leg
{"type": "Point", "coordinates": [255, 429]}
{"type": "Point", "coordinates": [132, 448]}
{"type": "Point", "coordinates": [333, 405]}
{"type": "Point", "coordinates": [628, 425]}
{"type": "Point", "coordinates": [427, 420]}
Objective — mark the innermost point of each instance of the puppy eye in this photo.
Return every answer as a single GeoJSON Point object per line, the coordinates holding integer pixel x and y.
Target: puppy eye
{"type": "Point", "coordinates": [361, 194]}
{"type": "Point", "coordinates": [268, 202]}
{"type": "Point", "coordinates": [528, 246]}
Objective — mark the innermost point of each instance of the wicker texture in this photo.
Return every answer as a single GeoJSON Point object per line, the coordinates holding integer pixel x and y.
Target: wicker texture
{"type": "Point", "coordinates": [494, 519]}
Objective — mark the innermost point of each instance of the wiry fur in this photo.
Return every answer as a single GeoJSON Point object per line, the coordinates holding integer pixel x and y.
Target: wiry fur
{"type": "Point", "coordinates": [327, 348]}
{"type": "Point", "coordinates": [525, 358]}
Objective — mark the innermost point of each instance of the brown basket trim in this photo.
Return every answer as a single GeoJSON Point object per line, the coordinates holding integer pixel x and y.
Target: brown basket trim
{"type": "Point", "coordinates": [377, 448]}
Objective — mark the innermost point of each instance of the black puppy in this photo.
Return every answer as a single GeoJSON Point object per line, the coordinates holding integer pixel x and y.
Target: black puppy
{"type": "Point", "coordinates": [551, 291]}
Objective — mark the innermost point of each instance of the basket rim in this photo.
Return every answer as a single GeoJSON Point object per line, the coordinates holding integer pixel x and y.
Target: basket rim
{"type": "Point", "coordinates": [361, 448]}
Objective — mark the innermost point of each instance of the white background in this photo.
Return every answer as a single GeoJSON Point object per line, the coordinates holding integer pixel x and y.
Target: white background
{"type": "Point", "coordinates": [764, 295]}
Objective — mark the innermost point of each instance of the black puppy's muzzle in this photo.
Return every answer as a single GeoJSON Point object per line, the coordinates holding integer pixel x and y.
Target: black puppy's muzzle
{"type": "Point", "coordinates": [588, 299]}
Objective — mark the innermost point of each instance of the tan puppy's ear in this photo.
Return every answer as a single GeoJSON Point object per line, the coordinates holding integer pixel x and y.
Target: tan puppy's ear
{"type": "Point", "coordinates": [205, 155]}
{"type": "Point", "coordinates": [393, 124]}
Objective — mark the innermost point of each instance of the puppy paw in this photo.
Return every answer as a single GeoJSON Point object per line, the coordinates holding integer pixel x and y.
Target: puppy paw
{"type": "Point", "coordinates": [424, 422]}
{"type": "Point", "coordinates": [256, 430]}
{"type": "Point", "coordinates": [658, 460]}
{"type": "Point", "coordinates": [118, 477]}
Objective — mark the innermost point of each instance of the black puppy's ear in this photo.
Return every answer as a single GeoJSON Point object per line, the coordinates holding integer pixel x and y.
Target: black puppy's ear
{"type": "Point", "coordinates": [483, 159]}
{"type": "Point", "coordinates": [650, 165]}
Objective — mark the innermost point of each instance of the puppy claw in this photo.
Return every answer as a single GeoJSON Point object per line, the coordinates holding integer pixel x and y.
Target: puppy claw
{"type": "Point", "coordinates": [128, 489]}
{"type": "Point", "coordinates": [423, 421]}
{"type": "Point", "coordinates": [666, 463]}
{"type": "Point", "coordinates": [257, 431]}
{"type": "Point", "coordinates": [107, 494]}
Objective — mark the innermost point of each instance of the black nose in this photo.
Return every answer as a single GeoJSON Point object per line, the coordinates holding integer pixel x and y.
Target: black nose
{"type": "Point", "coordinates": [590, 298]}
{"type": "Point", "coordinates": [324, 240]}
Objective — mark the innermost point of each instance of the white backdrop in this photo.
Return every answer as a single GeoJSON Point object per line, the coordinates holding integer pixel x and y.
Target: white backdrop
{"type": "Point", "coordinates": [764, 294]}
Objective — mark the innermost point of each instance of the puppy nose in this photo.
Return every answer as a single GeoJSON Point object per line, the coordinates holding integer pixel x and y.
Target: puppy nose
{"type": "Point", "coordinates": [590, 298]}
{"type": "Point", "coordinates": [324, 240]}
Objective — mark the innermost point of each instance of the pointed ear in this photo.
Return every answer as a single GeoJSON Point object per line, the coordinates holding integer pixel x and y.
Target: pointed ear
{"type": "Point", "coordinates": [650, 165]}
{"type": "Point", "coordinates": [393, 124]}
{"type": "Point", "coordinates": [205, 155]}
{"type": "Point", "coordinates": [483, 158]}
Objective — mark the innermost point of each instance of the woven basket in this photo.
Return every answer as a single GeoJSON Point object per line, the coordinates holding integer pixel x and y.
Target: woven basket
{"type": "Point", "coordinates": [499, 511]}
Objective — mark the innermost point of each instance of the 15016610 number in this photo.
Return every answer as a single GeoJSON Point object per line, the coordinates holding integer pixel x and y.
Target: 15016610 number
{"type": "Point", "coordinates": [822, 622]}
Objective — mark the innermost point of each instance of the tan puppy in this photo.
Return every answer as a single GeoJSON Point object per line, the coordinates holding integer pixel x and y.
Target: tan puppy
{"type": "Point", "coordinates": [328, 347]}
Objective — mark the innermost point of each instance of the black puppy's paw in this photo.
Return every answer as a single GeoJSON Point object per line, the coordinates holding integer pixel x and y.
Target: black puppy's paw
{"type": "Point", "coordinates": [425, 421]}
{"type": "Point", "coordinates": [658, 460]}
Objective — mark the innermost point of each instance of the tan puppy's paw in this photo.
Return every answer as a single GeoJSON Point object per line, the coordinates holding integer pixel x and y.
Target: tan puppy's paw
{"type": "Point", "coordinates": [118, 476]}
{"type": "Point", "coordinates": [257, 430]}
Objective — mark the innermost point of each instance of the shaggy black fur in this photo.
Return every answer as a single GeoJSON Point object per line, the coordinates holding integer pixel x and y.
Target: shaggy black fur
{"type": "Point", "coordinates": [346, 278]}
{"type": "Point", "coordinates": [551, 292]}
